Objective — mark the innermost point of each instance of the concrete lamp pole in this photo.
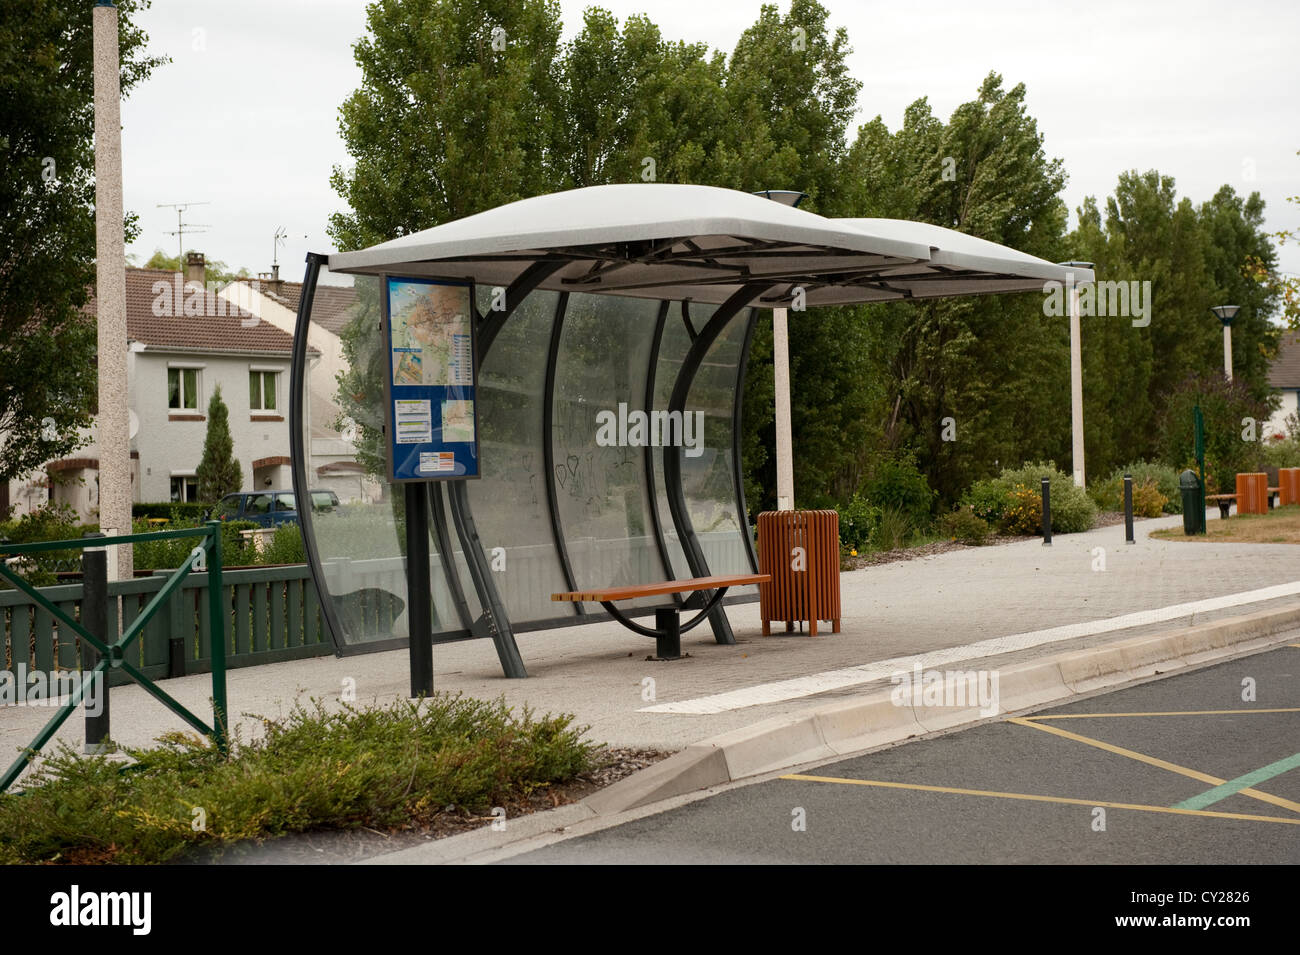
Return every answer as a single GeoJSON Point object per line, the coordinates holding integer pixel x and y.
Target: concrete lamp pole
{"type": "Point", "coordinates": [781, 376]}
{"type": "Point", "coordinates": [1076, 375]}
{"type": "Point", "coordinates": [1226, 313]}
{"type": "Point", "coordinates": [111, 425]}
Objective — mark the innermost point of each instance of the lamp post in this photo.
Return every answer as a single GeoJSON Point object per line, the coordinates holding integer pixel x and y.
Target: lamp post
{"type": "Point", "coordinates": [1076, 376]}
{"type": "Point", "coordinates": [781, 376]}
{"type": "Point", "coordinates": [1226, 313]}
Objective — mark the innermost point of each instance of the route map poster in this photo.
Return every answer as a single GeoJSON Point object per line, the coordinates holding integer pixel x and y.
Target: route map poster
{"type": "Point", "coordinates": [430, 384]}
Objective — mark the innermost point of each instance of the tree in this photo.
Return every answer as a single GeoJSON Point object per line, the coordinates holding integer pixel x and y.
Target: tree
{"type": "Point", "coordinates": [47, 227]}
{"type": "Point", "coordinates": [219, 472]}
{"type": "Point", "coordinates": [455, 114]}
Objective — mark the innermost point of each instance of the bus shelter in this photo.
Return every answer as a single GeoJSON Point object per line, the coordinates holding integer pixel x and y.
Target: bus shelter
{"type": "Point", "coordinates": [611, 328]}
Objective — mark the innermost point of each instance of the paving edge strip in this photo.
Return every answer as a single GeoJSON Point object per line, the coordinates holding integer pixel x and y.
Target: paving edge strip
{"type": "Point", "coordinates": [847, 727]}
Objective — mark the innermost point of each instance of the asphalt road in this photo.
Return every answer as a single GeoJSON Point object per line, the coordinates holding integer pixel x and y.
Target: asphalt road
{"type": "Point", "coordinates": [1138, 782]}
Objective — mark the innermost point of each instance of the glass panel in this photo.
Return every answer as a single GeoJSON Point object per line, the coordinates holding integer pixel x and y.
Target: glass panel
{"type": "Point", "coordinates": [285, 502]}
{"type": "Point", "coordinates": [708, 477]}
{"type": "Point", "coordinates": [254, 390]}
{"type": "Point", "coordinates": [361, 544]}
{"type": "Point", "coordinates": [191, 390]}
{"type": "Point", "coordinates": [268, 390]}
{"type": "Point", "coordinates": [600, 439]}
{"type": "Point", "coordinates": [173, 387]}
{"type": "Point", "coordinates": [258, 504]}
{"type": "Point", "coordinates": [509, 500]}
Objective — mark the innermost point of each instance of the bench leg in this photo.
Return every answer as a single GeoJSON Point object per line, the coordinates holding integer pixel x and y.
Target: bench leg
{"type": "Point", "coordinates": [668, 639]}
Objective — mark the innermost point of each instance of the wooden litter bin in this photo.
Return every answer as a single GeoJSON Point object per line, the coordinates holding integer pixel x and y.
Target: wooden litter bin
{"type": "Point", "coordinates": [801, 551]}
{"type": "Point", "coordinates": [1288, 482]}
{"type": "Point", "coordinates": [1252, 493]}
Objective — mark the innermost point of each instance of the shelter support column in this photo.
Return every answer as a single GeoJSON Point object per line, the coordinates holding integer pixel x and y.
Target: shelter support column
{"type": "Point", "coordinates": [784, 442]}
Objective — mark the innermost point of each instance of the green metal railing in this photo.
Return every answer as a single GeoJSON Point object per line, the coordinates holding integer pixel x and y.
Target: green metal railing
{"type": "Point", "coordinates": [112, 655]}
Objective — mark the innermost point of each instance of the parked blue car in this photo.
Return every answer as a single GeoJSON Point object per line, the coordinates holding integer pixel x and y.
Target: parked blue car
{"type": "Point", "coordinates": [268, 508]}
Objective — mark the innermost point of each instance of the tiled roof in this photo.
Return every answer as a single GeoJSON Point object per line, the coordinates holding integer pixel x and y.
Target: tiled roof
{"type": "Point", "coordinates": [1285, 370]}
{"type": "Point", "coordinates": [331, 308]}
{"type": "Point", "coordinates": [162, 313]}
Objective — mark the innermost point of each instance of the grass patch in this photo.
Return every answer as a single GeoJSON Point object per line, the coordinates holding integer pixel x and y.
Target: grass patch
{"type": "Point", "coordinates": [1278, 526]}
{"type": "Point", "coordinates": [387, 767]}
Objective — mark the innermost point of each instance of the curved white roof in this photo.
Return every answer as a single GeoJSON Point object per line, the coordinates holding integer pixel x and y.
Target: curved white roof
{"type": "Point", "coordinates": [702, 243]}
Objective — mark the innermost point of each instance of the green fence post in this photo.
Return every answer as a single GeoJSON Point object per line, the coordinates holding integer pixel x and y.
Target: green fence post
{"type": "Point", "coordinates": [218, 617]}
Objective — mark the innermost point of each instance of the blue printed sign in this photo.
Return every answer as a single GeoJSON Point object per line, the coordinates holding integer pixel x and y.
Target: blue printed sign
{"type": "Point", "coordinates": [430, 384]}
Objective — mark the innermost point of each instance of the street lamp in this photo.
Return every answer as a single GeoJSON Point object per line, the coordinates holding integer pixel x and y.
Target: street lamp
{"type": "Point", "coordinates": [781, 377]}
{"type": "Point", "coordinates": [1076, 376]}
{"type": "Point", "coordinates": [1226, 314]}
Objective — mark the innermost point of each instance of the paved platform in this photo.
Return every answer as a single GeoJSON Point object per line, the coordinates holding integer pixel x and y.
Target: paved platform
{"type": "Point", "coordinates": [1010, 603]}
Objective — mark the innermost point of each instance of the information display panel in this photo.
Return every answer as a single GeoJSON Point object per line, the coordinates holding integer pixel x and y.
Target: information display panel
{"type": "Point", "coordinates": [429, 380]}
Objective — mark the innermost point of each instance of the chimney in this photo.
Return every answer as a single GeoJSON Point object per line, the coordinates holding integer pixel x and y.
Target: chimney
{"type": "Point", "coordinates": [195, 269]}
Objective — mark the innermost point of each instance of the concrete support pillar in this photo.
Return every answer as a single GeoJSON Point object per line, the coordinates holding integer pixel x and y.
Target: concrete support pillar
{"type": "Point", "coordinates": [784, 443]}
{"type": "Point", "coordinates": [111, 425]}
{"type": "Point", "coordinates": [1076, 385]}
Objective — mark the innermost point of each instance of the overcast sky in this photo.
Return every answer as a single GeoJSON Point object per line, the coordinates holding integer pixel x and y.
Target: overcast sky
{"type": "Point", "coordinates": [245, 117]}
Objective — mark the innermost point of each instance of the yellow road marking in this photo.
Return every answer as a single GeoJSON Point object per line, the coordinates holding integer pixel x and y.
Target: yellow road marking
{"type": "Point", "coordinates": [1153, 761]}
{"type": "Point", "coordinates": [1139, 807]}
{"type": "Point", "coordinates": [1092, 716]}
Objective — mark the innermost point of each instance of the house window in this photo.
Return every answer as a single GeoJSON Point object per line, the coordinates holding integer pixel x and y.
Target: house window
{"type": "Point", "coordinates": [182, 388]}
{"type": "Point", "coordinates": [185, 488]}
{"type": "Point", "coordinates": [261, 390]}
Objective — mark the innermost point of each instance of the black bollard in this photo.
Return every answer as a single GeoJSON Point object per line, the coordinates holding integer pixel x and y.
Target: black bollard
{"type": "Point", "coordinates": [1128, 509]}
{"type": "Point", "coordinates": [1047, 513]}
{"type": "Point", "coordinates": [94, 617]}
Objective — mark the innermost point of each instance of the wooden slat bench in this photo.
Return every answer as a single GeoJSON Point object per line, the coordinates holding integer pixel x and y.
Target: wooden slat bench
{"type": "Point", "coordinates": [668, 629]}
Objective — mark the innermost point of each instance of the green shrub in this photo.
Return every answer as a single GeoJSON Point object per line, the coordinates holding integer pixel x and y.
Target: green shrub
{"type": "Point", "coordinates": [987, 500]}
{"type": "Point", "coordinates": [170, 553]}
{"type": "Point", "coordinates": [1282, 454]}
{"type": "Point", "coordinates": [1147, 500]}
{"type": "Point", "coordinates": [962, 525]}
{"type": "Point", "coordinates": [171, 510]}
{"type": "Point", "coordinates": [1005, 501]}
{"type": "Point", "coordinates": [858, 522]}
{"type": "Point", "coordinates": [285, 546]}
{"type": "Point", "coordinates": [1024, 513]}
{"type": "Point", "coordinates": [897, 484]}
{"type": "Point", "coordinates": [894, 529]}
{"type": "Point", "coordinates": [1109, 492]}
{"type": "Point", "coordinates": [50, 522]}
{"type": "Point", "coordinates": [389, 766]}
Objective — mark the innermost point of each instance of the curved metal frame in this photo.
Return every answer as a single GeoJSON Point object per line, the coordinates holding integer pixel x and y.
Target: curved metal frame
{"type": "Point", "coordinates": [737, 415]}
{"type": "Point", "coordinates": [548, 447]}
{"type": "Point", "coordinates": [652, 488]}
{"type": "Point", "coordinates": [682, 628]}
{"type": "Point", "coordinates": [673, 456]}
{"type": "Point", "coordinates": [298, 456]}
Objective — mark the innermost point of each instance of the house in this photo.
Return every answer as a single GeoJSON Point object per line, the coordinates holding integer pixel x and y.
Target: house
{"type": "Point", "coordinates": [332, 461]}
{"type": "Point", "coordinates": [183, 343]}
{"type": "Point", "coordinates": [1284, 378]}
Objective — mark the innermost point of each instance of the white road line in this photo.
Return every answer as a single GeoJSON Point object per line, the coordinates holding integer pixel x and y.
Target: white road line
{"type": "Point", "coordinates": [783, 690]}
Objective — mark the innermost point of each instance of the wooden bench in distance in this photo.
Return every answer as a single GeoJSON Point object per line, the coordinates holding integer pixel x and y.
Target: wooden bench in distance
{"type": "Point", "coordinates": [668, 629]}
{"type": "Point", "coordinates": [1224, 501]}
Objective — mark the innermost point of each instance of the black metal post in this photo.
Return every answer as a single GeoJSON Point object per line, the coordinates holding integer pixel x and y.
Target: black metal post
{"type": "Point", "coordinates": [1128, 509]}
{"type": "Point", "coordinates": [1047, 513]}
{"type": "Point", "coordinates": [94, 617]}
{"type": "Point", "coordinates": [668, 640]}
{"type": "Point", "coordinates": [419, 593]}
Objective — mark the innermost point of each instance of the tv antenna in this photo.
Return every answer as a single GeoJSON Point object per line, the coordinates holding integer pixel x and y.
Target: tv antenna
{"type": "Point", "coordinates": [183, 227]}
{"type": "Point", "coordinates": [281, 234]}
